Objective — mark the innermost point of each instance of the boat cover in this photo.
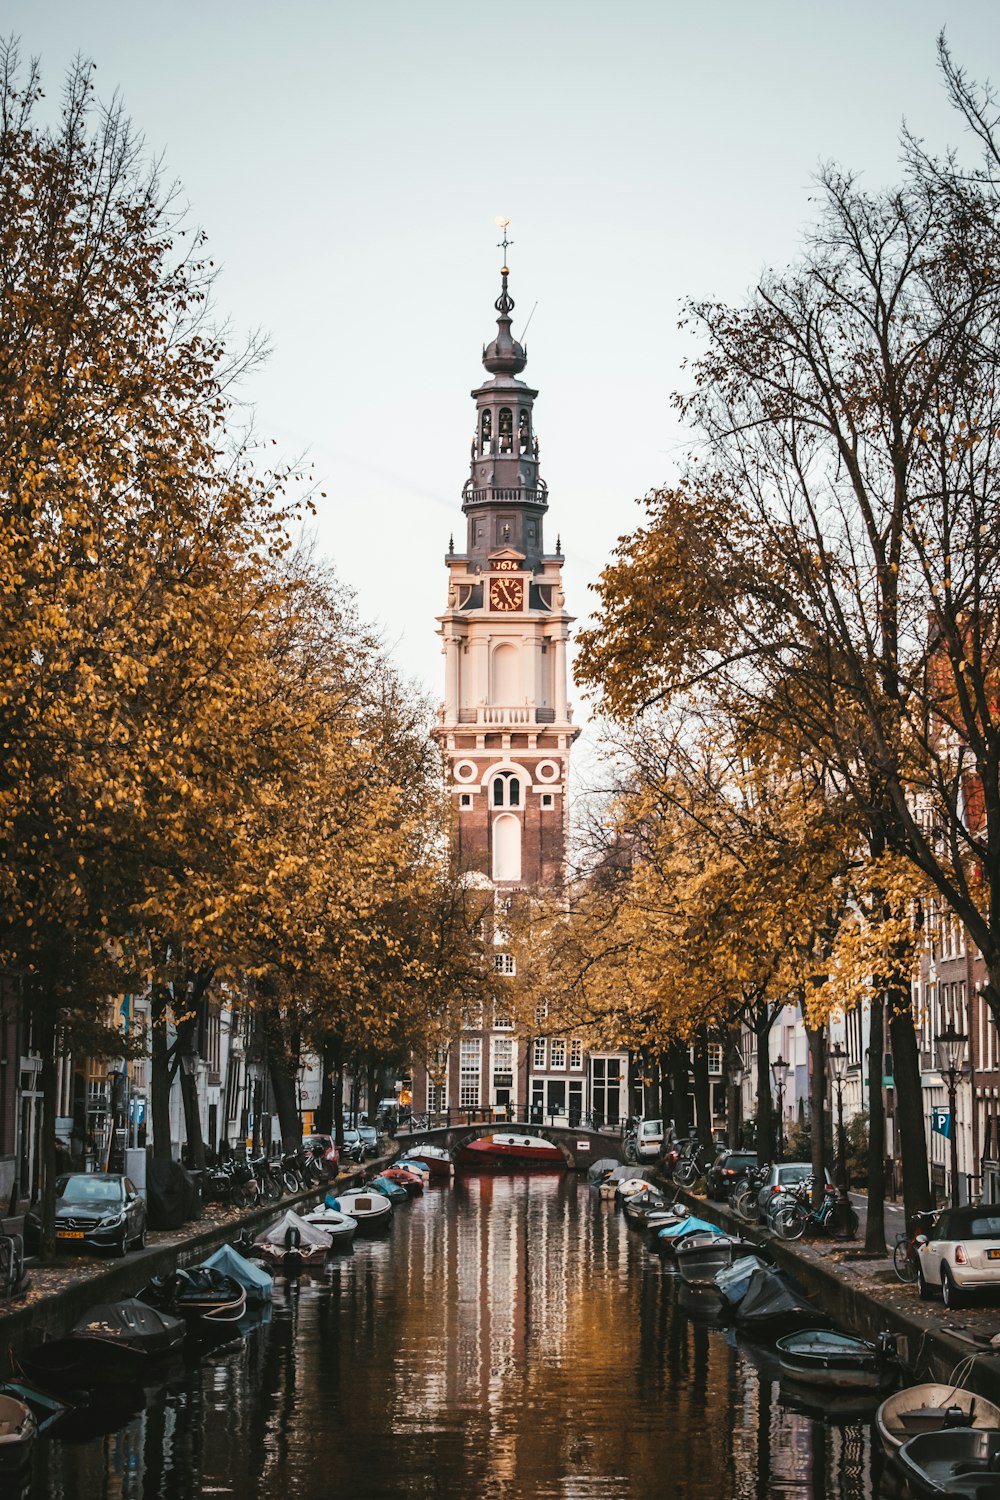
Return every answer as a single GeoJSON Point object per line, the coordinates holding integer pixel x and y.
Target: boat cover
{"type": "Point", "coordinates": [690, 1225]}
{"type": "Point", "coordinates": [132, 1322]}
{"type": "Point", "coordinates": [734, 1280]}
{"type": "Point", "coordinates": [773, 1298]}
{"type": "Point", "coordinates": [598, 1170]}
{"type": "Point", "coordinates": [308, 1234]}
{"type": "Point", "coordinates": [257, 1282]}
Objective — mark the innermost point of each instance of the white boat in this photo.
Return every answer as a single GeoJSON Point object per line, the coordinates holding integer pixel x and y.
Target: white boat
{"type": "Point", "coordinates": [340, 1227]}
{"type": "Point", "coordinates": [291, 1243]}
{"type": "Point", "coordinates": [435, 1158]}
{"type": "Point", "coordinates": [370, 1211]}
{"type": "Point", "coordinates": [608, 1186]}
{"type": "Point", "coordinates": [630, 1185]}
{"type": "Point", "coordinates": [931, 1407]}
{"type": "Point", "coordinates": [702, 1256]}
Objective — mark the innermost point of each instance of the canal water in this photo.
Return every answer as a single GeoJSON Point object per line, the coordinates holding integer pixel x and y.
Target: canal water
{"type": "Point", "coordinates": [511, 1339]}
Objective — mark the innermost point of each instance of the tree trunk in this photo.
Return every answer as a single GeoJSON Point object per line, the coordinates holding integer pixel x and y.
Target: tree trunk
{"type": "Point", "coordinates": [762, 1020]}
{"type": "Point", "coordinates": [192, 1120]}
{"type": "Point", "coordinates": [817, 1100]}
{"type": "Point", "coordinates": [679, 1088]}
{"type": "Point", "coordinates": [371, 1088]}
{"type": "Point", "coordinates": [337, 1052]}
{"type": "Point", "coordinates": [325, 1117]}
{"type": "Point", "coordinates": [734, 1095]}
{"type": "Point", "coordinates": [653, 1091]}
{"type": "Point", "coordinates": [666, 1100]}
{"type": "Point", "coordinates": [159, 1077]}
{"type": "Point", "coordinates": [875, 1227]}
{"type": "Point", "coordinates": [702, 1087]}
{"type": "Point", "coordinates": [50, 1105]}
{"type": "Point", "coordinates": [909, 1104]}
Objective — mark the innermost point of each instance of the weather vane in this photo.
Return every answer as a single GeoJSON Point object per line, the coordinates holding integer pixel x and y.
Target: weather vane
{"type": "Point", "coordinates": [502, 223]}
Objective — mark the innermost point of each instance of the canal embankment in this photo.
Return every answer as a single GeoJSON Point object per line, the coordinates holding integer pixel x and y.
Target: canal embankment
{"type": "Point", "coordinates": [62, 1290]}
{"type": "Point", "coordinates": [863, 1295]}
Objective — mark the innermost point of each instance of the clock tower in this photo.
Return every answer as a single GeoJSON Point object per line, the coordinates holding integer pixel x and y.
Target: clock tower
{"type": "Point", "coordinates": [505, 727]}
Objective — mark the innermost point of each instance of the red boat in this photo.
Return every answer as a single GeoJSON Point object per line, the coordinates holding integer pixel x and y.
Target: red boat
{"type": "Point", "coordinates": [514, 1151]}
{"type": "Point", "coordinates": [411, 1181]}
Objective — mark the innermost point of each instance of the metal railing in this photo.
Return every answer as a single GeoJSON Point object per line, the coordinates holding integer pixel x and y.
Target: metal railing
{"type": "Point", "coordinates": [449, 1118]}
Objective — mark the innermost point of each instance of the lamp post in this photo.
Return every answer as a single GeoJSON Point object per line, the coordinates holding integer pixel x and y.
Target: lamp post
{"type": "Point", "coordinates": [779, 1070]}
{"type": "Point", "coordinates": [951, 1056]}
{"type": "Point", "coordinates": [837, 1062]}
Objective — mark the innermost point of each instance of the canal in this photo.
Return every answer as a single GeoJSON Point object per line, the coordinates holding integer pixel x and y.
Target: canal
{"type": "Point", "coordinates": [510, 1340]}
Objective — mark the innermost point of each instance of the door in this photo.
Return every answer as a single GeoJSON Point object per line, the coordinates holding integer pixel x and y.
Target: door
{"type": "Point", "coordinates": [555, 1098]}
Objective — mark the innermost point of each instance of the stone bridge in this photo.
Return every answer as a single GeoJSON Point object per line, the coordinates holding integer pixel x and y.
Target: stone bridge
{"type": "Point", "coordinates": [579, 1144]}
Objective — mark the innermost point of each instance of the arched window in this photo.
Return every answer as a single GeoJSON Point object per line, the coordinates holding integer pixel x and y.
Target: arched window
{"type": "Point", "coordinates": [506, 847]}
{"type": "Point", "coordinates": [506, 790]}
{"type": "Point", "coordinates": [523, 432]}
{"type": "Point", "coordinates": [506, 430]}
{"type": "Point", "coordinates": [487, 428]}
{"type": "Point", "coordinates": [506, 676]}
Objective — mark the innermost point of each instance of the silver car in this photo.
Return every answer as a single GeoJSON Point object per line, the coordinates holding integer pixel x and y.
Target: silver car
{"type": "Point", "coordinates": [961, 1254]}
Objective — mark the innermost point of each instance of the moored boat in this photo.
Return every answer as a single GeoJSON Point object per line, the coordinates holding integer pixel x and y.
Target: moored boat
{"type": "Point", "coordinates": [601, 1169]}
{"type": "Point", "coordinates": [773, 1304]}
{"type": "Point", "coordinates": [821, 1356]}
{"type": "Point", "coordinates": [411, 1182]}
{"type": "Point", "coordinates": [45, 1408]}
{"type": "Point", "coordinates": [372, 1212]}
{"type": "Point", "coordinates": [700, 1257]}
{"type": "Point", "coordinates": [513, 1151]}
{"type": "Point", "coordinates": [627, 1187]}
{"type": "Point", "coordinates": [411, 1164]}
{"type": "Point", "coordinates": [931, 1407]}
{"type": "Point", "coordinates": [338, 1226]}
{"type": "Point", "coordinates": [608, 1186]}
{"type": "Point", "coordinates": [639, 1206]}
{"type": "Point", "coordinates": [957, 1461]}
{"type": "Point", "coordinates": [732, 1282]}
{"type": "Point", "coordinates": [18, 1430]}
{"type": "Point", "coordinates": [255, 1281]}
{"type": "Point", "coordinates": [81, 1363]}
{"type": "Point", "coordinates": [135, 1323]}
{"type": "Point", "coordinates": [435, 1158]}
{"type": "Point", "coordinates": [394, 1191]}
{"type": "Point", "coordinates": [290, 1244]}
{"type": "Point", "coordinates": [200, 1295]}
{"type": "Point", "coordinates": [671, 1235]}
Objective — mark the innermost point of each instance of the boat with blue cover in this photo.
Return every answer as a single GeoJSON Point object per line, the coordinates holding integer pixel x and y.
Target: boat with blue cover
{"type": "Point", "coordinates": [256, 1281]}
{"type": "Point", "coordinates": [671, 1235]}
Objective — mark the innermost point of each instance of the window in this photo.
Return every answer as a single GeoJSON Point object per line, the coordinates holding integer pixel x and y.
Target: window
{"type": "Point", "coordinates": [714, 1050]}
{"type": "Point", "coordinates": [505, 963]}
{"type": "Point", "coordinates": [547, 799]}
{"type": "Point", "coordinates": [465, 801]}
{"type": "Point", "coordinates": [213, 1041]}
{"type": "Point", "coordinates": [502, 1021]}
{"type": "Point", "coordinates": [506, 790]}
{"type": "Point", "coordinates": [469, 1068]}
{"type": "Point", "coordinates": [523, 431]}
{"type": "Point", "coordinates": [503, 1062]}
{"type": "Point", "coordinates": [437, 1098]}
{"type": "Point", "coordinates": [557, 1052]}
{"type": "Point", "coordinates": [506, 847]}
{"type": "Point", "coordinates": [506, 430]}
{"type": "Point", "coordinates": [576, 1053]}
{"type": "Point", "coordinates": [538, 1054]}
{"type": "Point", "coordinates": [487, 429]}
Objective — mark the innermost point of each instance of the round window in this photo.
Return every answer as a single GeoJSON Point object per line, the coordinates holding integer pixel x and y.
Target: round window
{"type": "Point", "coordinates": [465, 770]}
{"type": "Point", "coordinates": [547, 770]}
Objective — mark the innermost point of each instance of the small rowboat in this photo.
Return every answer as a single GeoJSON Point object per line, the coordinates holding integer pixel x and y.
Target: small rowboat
{"type": "Point", "coordinates": [411, 1182]}
{"type": "Point", "coordinates": [340, 1227]}
{"type": "Point", "coordinates": [671, 1235]}
{"type": "Point", "coordinates": [18, 1430]}
{"type": "Point", "coordinates": [202, 1296]}
{"type": "Point", "coordinates": [256, 1282]}
{"type": "Point", "coordinates": [291, 1243]}
{"type": "Point", "coordinates": [959, 1461]}
{"type": "Point", "coordinates": [435, 1158]}
{"type": "Point", "coordinates": [700, 1257]}
{"type": "Point", "coordinates": [639, 1206]}
{"type": "Point", "coordinates": [608, 1186]}
{"type": "Point", "coordinates": [411, 1164]}
{"type": "Point", "coordinates": [931, 1407]}
{"type": "Point", "coordinates": [820, 1356]}
{"type": "Point", "coordinates": [394, 1191]}
{"type": "Point", "coordinates": [371, 1211]}
{"type": "Point", "coordinates": [514, 1151]}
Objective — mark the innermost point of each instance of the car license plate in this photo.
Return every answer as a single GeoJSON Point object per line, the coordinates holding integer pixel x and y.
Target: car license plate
{"type": "Point", "coordinates": [69, 1234]}
{"type": "Point", "coordinates": [993, 1255]}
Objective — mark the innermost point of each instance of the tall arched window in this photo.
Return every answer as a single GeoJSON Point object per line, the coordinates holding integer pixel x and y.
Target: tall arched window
{"type": "Point", "coordinates": [506, 790]}
{"type": "Point", "coordinates": [506, 430]}
{"type": "Point", "coordinates": [506, 847]}
{"type": "Point", "coordinates": [523, 432]}
{"type": "Point", "coordinates": [506, 676]}
{"type": "Point", "coordinates": [487, 430]}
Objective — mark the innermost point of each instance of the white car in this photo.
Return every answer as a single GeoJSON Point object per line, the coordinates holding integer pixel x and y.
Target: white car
{"type": "Point", "coordinates": [961, 1254]}
{"type": "Point", "coordinates": [648, 1140]}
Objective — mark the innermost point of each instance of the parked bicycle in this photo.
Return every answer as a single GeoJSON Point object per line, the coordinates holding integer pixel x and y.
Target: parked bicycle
{"type": "Point", "coordinates": [694, 1163]}
{"type": "Point", "coordinates": [904, 1255]}
{"type": "Point", "coordinates": [792, 1221]}
{"type": "Point", "coordinates": [745, 1197]}
{"type": "Point", "coordinates": [267, 1178]}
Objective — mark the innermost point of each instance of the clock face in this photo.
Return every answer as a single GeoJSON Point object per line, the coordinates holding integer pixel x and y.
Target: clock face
{"type": "Point", "coordinates": [506, 593]}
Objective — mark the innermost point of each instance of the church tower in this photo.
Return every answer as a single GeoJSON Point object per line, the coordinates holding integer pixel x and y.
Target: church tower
{"type": "Point", "coordinates": [505, 726]}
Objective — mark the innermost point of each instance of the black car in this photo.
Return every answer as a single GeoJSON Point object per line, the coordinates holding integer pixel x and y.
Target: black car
{"type": "Point", "coordinates": [96, 1210]}
{"type": "Point", "coordinates": [726, 1170]}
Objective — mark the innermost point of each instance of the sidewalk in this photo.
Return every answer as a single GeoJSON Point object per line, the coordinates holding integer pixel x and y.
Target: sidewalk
{"type": "Point", "coordinates": [865, 1296]}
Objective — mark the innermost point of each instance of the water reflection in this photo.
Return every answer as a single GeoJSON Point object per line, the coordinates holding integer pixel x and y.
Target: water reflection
{"type": "Point", "coordinates": [509, 1339]}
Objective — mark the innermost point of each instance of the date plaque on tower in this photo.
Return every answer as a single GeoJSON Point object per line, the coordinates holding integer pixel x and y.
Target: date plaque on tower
{"type": "Point", "coordinates": [506, 594]}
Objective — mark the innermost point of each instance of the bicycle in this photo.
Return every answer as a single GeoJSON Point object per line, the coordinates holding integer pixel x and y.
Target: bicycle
{"type": "Point", "coordinates": [692, 1165]}
{"type": "Point", "coordinates": [904, 1255]}
{"type": "Point", "coordinates": [745, 1200]}
{"type": "Point", "coordinates": [791, 1222]}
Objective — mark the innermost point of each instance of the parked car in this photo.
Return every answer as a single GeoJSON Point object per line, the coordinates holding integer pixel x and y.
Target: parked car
{"type": "Point", "coordinates": [369, 1135]}
{"type": "Point", "coordinates": [726, 1170]}
{"type": "Point", "coordinates": [354, 1147]}
{"type": "Point", "coordinates": [648, 1139]}
{"type": "Point", "coordinates": [95, 1210]}
{"type": "Point", "coordinates": [782, 1176]}
{"type": "Point", "coordinates": [961, 1254]}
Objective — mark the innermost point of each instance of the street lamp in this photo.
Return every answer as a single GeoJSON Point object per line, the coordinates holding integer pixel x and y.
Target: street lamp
{"type": "Point", "coordinates": [837, 1061]}
{"type": "Point", "coordinates": [779, 1070]}
{"type": "Point", "coordinates": [951, 1056]}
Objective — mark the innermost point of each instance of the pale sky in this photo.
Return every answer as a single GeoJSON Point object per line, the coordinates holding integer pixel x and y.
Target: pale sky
{"type": "Point", "coordinates": [348, 160]}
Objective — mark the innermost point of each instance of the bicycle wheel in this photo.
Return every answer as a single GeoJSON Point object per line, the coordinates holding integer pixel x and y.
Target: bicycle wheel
{"type": "Point", "coordinates": [272, 1188]}
{"type": "Point", "coordinates": [685, 1173]}
{"type": "Point", "coordinates": [745, 1204]}
{"type": "Point", "coordinates": [289, 1182]}
{"type": "Point", "coordinates": [853, 1224]}
{"type": "Point", "coordinates": [903, 1262]}
{"type": "Point", "coordinates": [790, 1223]}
